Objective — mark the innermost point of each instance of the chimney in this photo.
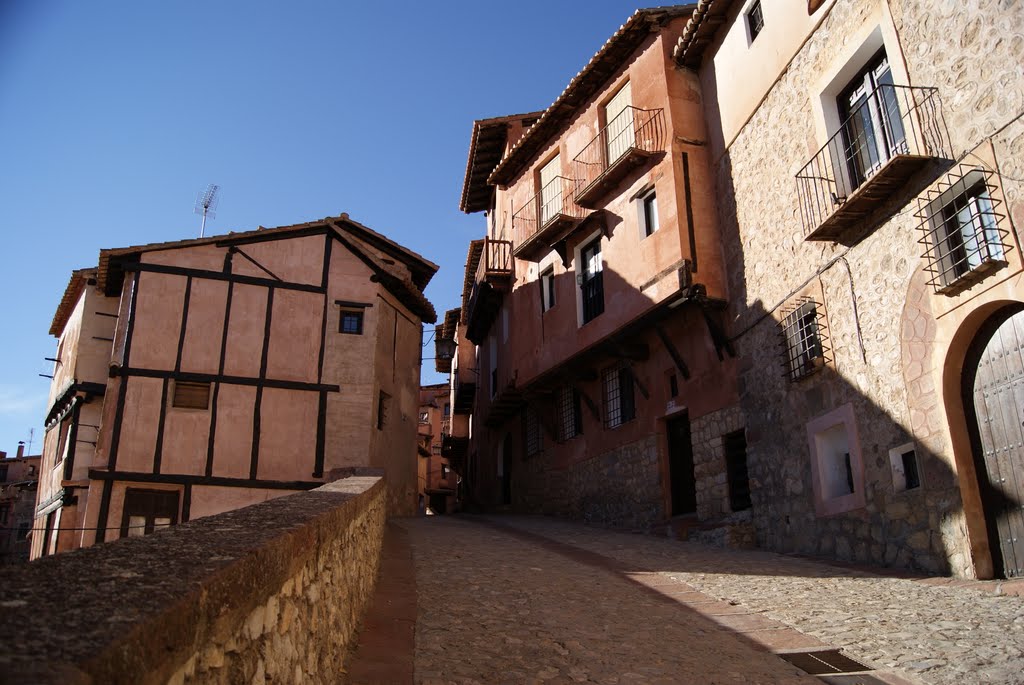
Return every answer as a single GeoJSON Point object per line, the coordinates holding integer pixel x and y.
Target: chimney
{"type": "Point", "coordinates": [21, 449]}
{"type": "Point", "coordinates": [3, 455]}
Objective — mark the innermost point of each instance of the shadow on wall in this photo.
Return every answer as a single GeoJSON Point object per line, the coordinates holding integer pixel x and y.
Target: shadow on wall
{"type": "Point", "coordinates": [874, 483]}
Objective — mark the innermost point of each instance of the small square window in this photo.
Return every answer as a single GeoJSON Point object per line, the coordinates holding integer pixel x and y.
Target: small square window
{"type": "Point", "coordinates": [755, 19]}
{"type": "Point", "coordinates": [191, 395]}
{"type": "Point", "coordinates": [547, 289]}
{"type": "Point", "coordinates": [351, 322]}
{"type": "Point", "coordinates": [802, 333]}
{"type": "Point", "coordinates": [905, 471]}
{"type": "Point", "coordinates": [649, 213]}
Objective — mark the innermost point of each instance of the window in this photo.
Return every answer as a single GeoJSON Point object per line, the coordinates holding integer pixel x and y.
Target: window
{"type": "Point", "coordinates": [447, 409]}
{"type": "Point", "coordinates": [837, 470]}
{"type": "Point", "coordinates": [569, 415]}
{"type": "Point", "coordinates": [190, 395]}
{"type": "Point", "coordinates": [619, 404]}
{"type": "Point", "coordinates": [547, 289]}
{"type": "Point", "coordinates": [63, 436]}
{"type": "Point", "coordinates": [383, 404]}
{"type": "Point", "coordinates": [4, 509]}
{"type": "Point", "coordinates": [673, 385]}
{"type": "Point", "coordinates": [23, 529]}
{"type": "Point", "coordinates": [147, 510]}
{"type": "Point", "coordinates": [531, 430]}
{"type": "Point", "coordinates": [873, 127]}
{"type": "Point", "coordinates": [3, 472]}
{"type": "Point", "coordinates": [962, 236]}
{"type": "Point", "coordinates": [351, 322]}
{"type": "Point", "coordinates": [435, 448]}
{"type": "Point", "coordinates": [905, 473]}
{"type": "Point", "coordinates": [755, 20]}
{"type": "Point", "coordinates": [551, 199]}
{"type": "Point", "coordinates": [802, 334]}
{"type": "Point", "coordinates": [591, 281]}
{"type": "Point", "coordinates": [424, 417]}
{"type": "Point", "coordinates": [618, 117]}
{"type": "Point", "coordinates": [735, 446]}
{"type": "Point", "coordinates": [649, 213]}
{"type": "Point", "coordinates": [444, 471]}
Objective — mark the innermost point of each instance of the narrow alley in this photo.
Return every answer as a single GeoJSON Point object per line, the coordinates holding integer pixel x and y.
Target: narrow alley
{"type": "Point", "coordinates": [515, 599]}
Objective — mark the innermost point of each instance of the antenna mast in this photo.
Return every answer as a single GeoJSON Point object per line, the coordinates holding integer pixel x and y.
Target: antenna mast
{"type": "Point", "coordinates": [206, 204]}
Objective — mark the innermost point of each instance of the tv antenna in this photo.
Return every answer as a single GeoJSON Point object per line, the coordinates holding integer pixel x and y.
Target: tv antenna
{"type": "Point", "coordinates": [206, 204]}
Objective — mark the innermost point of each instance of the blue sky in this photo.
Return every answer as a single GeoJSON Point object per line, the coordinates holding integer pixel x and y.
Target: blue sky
{"type": "Point", "coordinates": [114, 114]}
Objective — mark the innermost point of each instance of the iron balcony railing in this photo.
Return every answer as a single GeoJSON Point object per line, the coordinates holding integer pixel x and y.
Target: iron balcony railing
{"type": "Point", "coordinates": [631, 134]}
{"type": "Point", "coordinates": [552, 205]}
{"type": "Point", "coordinates": [885, 139]}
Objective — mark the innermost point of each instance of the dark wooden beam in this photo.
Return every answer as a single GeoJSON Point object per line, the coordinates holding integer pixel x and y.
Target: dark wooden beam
{"type": "Point", "coordinates": [672, 351]}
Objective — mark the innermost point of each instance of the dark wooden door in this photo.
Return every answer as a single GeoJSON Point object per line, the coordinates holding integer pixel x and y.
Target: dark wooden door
{"type": "Point", "coordinates": [680, 466]}
{"type": "Point", "coordinates": [998, 394]}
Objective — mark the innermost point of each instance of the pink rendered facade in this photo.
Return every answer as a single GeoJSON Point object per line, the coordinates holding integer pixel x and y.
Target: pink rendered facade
{"type": "Point", "coordinates": [228, 371]}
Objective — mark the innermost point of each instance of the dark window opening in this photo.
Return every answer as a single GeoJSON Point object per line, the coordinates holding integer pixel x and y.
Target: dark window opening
{"type": "Point", "coordinates": [735, 445]}
{"type": "Point", "coordinates": [569, 414]}
{"type": "Point", "coordinates": [619, 402]}
{"type": "Point", "coordinates": [148, 510]}
{"type": "Point", "coordinates": [755, 19]}
{"type": "Point", "coordinates": [910, 472]}
{"type": "Point", "coordinates": [531, 427]}
{"type": "Point", "coordinates": [351, 323]}
{"type": "Point", "coordinates": [592, 281]}
{"type": "Point", "coordinates": [673, 386]}
{"type": "Point", "coordinates": [190, 395]}
{"type": "Point", "coordinates": [802, 338]}
{"type": "Point", "coordinates": [650, 212]}
{"type": "Point", "coordinates": [547, 289]}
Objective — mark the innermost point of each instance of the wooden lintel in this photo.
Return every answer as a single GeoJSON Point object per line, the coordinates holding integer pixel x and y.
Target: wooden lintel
{"type": "Point", "coordinates": [672, 351]}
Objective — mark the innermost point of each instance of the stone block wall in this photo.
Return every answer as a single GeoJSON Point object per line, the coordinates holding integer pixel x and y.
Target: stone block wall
{"type": "Point", "coordinates": [268, 593]}
{"type": "Point", "coordinates": [971, 52]}
{"type": "Point", "coordinates": [709, 468]}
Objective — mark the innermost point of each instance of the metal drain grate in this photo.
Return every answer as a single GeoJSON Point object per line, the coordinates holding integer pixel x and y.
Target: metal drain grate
{"type": "Point", "coordinates": [824, 662]}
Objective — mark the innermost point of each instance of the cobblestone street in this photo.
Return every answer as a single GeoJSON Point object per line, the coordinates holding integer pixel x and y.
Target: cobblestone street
{"type": "Point", "coordinates": [529, 599]}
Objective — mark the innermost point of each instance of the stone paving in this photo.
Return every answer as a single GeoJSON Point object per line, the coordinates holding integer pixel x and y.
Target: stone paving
{"type": "Point", "coordinates": [493, 608]}
{"type": "Point", "coordinates": [921, 631]}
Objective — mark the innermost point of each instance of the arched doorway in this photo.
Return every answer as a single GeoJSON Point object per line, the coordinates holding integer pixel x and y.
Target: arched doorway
{"type": "Point", "coordinates": [993, 397]}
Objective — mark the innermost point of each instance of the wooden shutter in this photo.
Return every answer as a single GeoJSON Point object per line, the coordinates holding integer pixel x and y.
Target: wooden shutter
{"type": "Point", "coordinates": [619, 122]}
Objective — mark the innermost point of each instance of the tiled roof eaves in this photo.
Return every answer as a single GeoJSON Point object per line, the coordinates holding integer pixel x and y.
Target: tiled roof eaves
{"type": "Point", "coordinates": [476, 249]}
{"type": "Point", "coordinates": [700, 31]}
{"type": "Point", "coordinates": [485, 152]}
{"type": "Point", "coordinates": [76, 284]}
{"type": "Point", "coordinates": [583, 86]}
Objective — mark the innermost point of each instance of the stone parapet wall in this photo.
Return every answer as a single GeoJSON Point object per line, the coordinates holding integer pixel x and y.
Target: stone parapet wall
{"type": "Point", "coordinates": [271, 592]}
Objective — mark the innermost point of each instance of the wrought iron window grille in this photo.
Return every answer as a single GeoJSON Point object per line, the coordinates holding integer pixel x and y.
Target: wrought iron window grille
{"type": "Point", "coordinates": [804, 339]}
{"type": "Point", "coordinates": [533, 437]}
{"type": "Point", "coordinates": [962, 229]}
{"type": "Point", "coordinates": [569, 415]}
{"type": "Point", "coordinates": [619, 399]}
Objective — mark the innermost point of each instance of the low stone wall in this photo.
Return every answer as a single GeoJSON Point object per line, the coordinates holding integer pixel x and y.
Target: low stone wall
{"type": "Point", "coordinates": [272, 592]}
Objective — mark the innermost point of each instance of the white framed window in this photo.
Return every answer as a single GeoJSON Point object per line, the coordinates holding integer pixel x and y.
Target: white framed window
{"type": "Point", "coordinates": [647, 205]}
{"type": "Point", "coordinates": [618, 117]}
{"type": "Point", "coordinates": [547, 288]}
{"type": "Point", "coordinates": [837, 468]}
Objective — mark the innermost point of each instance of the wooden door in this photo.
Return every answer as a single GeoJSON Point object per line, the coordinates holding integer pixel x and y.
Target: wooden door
{"type": "Point", "coordinates": [998, 394]}
{"type": "Point", "coordinates": [618, 116]}
{"type": "Point", "coordinates": [680, 466]}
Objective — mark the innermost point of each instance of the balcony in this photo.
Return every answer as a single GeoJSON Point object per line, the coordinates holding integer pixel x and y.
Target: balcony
{"type": "Point", "coordinates": [545, 219]}
{"type": "Point", "coordinates": [465, 391]}
{"type": "Point", "coordinates": [895, 132]}
{"type": "Point", "coordinates": [492, 280]}
{"type": "Point", "coordinates": [628, 141]}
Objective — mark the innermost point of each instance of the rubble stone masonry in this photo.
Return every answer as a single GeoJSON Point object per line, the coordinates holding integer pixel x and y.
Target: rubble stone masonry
{"type": "Point", "coordinates": [271, 592]}
{"type": "Point", "coordinates": [972, 53]}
